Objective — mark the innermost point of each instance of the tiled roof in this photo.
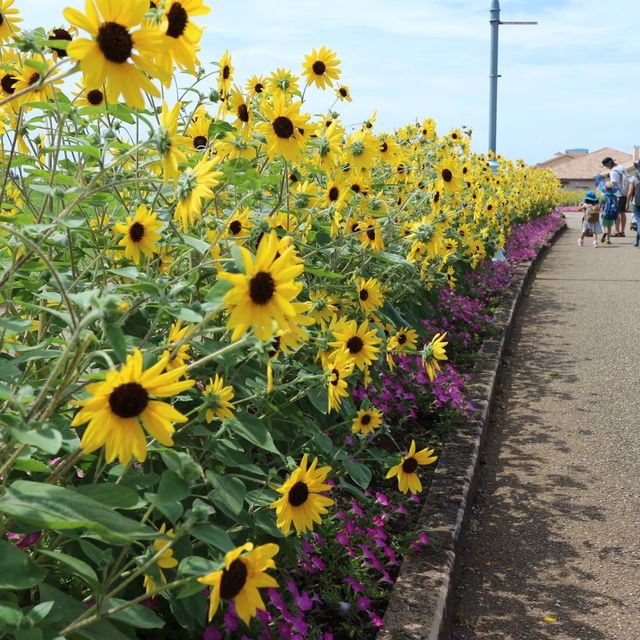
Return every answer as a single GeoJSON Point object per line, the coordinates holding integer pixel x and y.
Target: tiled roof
{"type": "Point", "coordinates": [588, 166]}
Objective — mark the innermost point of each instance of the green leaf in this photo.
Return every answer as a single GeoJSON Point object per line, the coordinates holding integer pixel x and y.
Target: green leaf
{"type": "Point", "coordinates": [74, 566]}
{"type": "Point", "coordinates": [116, 496]}
{"type": "Point", "coordinates": [46, 439]}
{"type": "Point", "coordinates": [197, 566]}
{"type": "Point", "coordinates": [172, 488]}
{"type": "Point", "coordinates": [186, 314]}
{"type": "Point", "coordinates": [135, 616]}
{"type": "Point", "coordinates": [17, 571]}
{"type": "Point", "coordinates": [252, 429]}
{"type": "Point", "coordinates": [14, 325]}
{"type": "Point", "coordinates": [61, 509]}
{"type": "Point", "coordinates": [10, 615]}
{"type": "Point", "coordinates": [229, 492]}
{"type": "Point", "coordinates": [115, 338]}
{"type": "Point", "coordinates": [359, 473]}
{"type": "Point", "coordinates": [215, 295]}
{"type": "Point", "coordinates": [38, 613]}
{"type": "Point", "coordinates": [196, 243]}
{"type": "Point", "coordinates": [324, 273]}
{"type": "Point", "coordinates": [319, 398]}
{"type": "Point", "coordinates": [215, 536]}
{"type": "Point", "coordinates": [31, 465]}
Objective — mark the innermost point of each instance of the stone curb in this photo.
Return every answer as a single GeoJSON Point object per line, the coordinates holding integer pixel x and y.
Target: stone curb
{"type": "Point", "coordinates": [419, 606]}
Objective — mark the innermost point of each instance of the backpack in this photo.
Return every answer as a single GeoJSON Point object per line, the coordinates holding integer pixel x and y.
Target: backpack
{"type": "Point", "coordinates": [636, 193]}
{"type": "Point", "coordinates": [593, 213]}
{"type": "Point", "coordinates": [624, 181]}
{"type": "Point", "coordinates": [610, 210]}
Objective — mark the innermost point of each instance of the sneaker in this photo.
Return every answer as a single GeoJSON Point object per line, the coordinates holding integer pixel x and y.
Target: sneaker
{"type": "Point", "coordinates": [604, 237]}
{"type": "Point", "coordinates": [595, 243]}
{"type": "Point", "coordinates": [635, 244]}
{"type": "Point", "coordinates": [608, 241]}
{"type": "Point", "coordinates": [622, 235]}
{"type": "Point", "coordinates": [579, 242]}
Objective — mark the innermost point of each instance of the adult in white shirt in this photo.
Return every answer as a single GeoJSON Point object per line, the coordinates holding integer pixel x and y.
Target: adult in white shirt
{"type": "Point", "coordinates": [618, 174]}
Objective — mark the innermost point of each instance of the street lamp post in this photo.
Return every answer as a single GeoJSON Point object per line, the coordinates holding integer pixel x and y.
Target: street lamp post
{"type": "Point", "coordinates": [495, 23]}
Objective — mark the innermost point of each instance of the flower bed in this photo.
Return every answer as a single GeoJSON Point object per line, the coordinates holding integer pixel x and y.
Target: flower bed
{"type": "Point", "coordinates": [234, 336]}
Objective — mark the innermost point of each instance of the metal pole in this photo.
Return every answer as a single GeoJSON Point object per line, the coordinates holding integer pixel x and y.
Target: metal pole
{"type": "Point", "coordinates": [493, 75]}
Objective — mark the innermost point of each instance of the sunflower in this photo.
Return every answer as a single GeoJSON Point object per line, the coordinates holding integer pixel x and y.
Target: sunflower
{"type": "Point", "coordinates": [359, 341]}
{"type": "Point", "coordinates": [369, 295]}
{"type": "Point", "coordinates": [302, 502]}
{"type": "Point", "coordinates": [109, 58]}
{"type": "Point", "coordinates": [334, 194]}
{"type": "Point", "coordinates": [371, 234]}
{"type": "Point", "coordinates": [218, 399]}
{"type": "Point", "coordinates": [366, 421]}
{"type": "Point", "coordinates": [327, 145]}
{"type": "Point", "coordinates": [168, 143]}
{"type": "Point", "coordinates": [321, 67]}
{"type": "Point", "coordinates": [403, 340]}
{"type": "Point", "coordinates": [61, 33]}
{"type": "Point", "coordinates": [255, 85]}
{"type": "Point", "coordinates": [195, 184]}
{"type": "Point", "coordinates": [282, 83]}
{"type": "Point", "coordinates": [244, 572]}
{"type": "Point", "coordinates": [90, 97]}
{"type": "Point", "coordinates": [343, 93]}
{"type": "Point", "coordinates": [432, 353]}
{"type": "Point", "coordinates": [177, 357]}
{"type": "Point", "coordinates": [240, 107]}
{"type": "Point", "coordinates": [238, 226]}
{"type": "Point", "coordinates": [198, 129]}
{"type": "Point", "coordinates": [408, 479]}
{"type": "Point", "coordinates": [29, 78]}
{"type": "Point", "coordinates": [265, 291]}
{"type": "Point", "coordinates": [8, 21]}
{"type": "Point", "coordinates": [118, 405]}
{"type": "Point", "coordinates": [339, 367]}
{"type": "Point", "coordinates": [323, 308]}
{"type": "Point", "coordinates": [140, 234]}
{"type": "Point", "coordinates": [449, 171]}
{"type": "Point", "coordinates": [164, 561]}
{"type": "Point", "coordinates": [360, 150]}
{"type": "Point", "coordinates": [182, 36]}
{"type": "Point", "coordinates": [9, 73]}
{"type": "Point", "coordinates": [225, 75]}
{"type": "Point", "coordinates": [284, 129]}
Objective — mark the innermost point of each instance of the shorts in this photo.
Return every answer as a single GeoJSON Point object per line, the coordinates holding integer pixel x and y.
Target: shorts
{"type": "Point", "coordinates": [622, 204]}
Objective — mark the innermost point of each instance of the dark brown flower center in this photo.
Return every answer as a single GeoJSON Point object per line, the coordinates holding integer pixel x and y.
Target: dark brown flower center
{"type": "Point", "coordinates": [128, 400]}
{"type": "Point", "coordinates": [447, 176]}
{"type": "Point", "coordinates": [8, 83]}
{"type": "Point", "coordinates": [200, 142]}
{"type": "Point", "coordinates": [319, 67]}
{"type": "Point", "coordinates": [298, 494]}
{"type": "Point", "coordinates": [336, 373]}
{"type": "Point", "coordinates": [364, 294]}
{"type": "Point", "coordinates": [334, 194]}
{"type": "Point", "coordinates": [283, 127]}
{"type": "Point", "coordinates": [343, 92]}
{"type": "Point", "coordinates": [410, 465]}
{"type": "Point", "coordinates": [262, 287]}
{"type": "Point", "coordinates": [115, 42]}
{"type": "Point", "coordinates": [60, 34]}
{"type": "Point", "coordinates": [95, 97]}
{"type": "Point", "coordinates": [276, 347]}
{"type": "Point", "coordinates": [178, 19]}
{"type": "Point", "coordinates": [356, 188]}
{"type": "Point", "coordinates": [355, 227]}
{"type": "Point", "coordinates": [136, 231]}
{"type": "Point", "coordinates": [365, 419]}
{"type": "Point", "coordinates": [384, 147]}
{"type": "Point", "coordinates": [258, 87]}
{"type": "Point", "coordinates": [243, 113]}
{"type": "Point", "coordinates": [371, 233]}
{"type": "Point", "coordinates": [436, 197]}
{"type": "Point", "coordinates": [235, 227]}
{"type": "Point", "coordinates": [402, 338]}
{"type": "Point", "coordinates": [355, 344]}
{"type": "Point", "coordinates": [233, 579]}
{"type": "Point", "coordinates": [226, 72]}
{"type": "Point", "coordinates": [33, 78]}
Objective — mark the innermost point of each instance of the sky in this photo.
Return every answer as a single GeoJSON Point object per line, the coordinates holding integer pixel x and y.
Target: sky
{"type": "Point", "coordinates": [568, 82]}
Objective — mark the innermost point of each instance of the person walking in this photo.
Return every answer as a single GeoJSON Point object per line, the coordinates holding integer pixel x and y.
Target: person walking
{"type": "Point", "coordinates": [591, 222]}
{"type": "Point", "coordinates": [633, 196]}
{"type": "Point", "coordinates": [618, 175]}
{"type": "Point", "coordinates": [609, 210]}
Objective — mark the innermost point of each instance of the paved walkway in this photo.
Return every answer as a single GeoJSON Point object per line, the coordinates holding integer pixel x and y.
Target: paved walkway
{"type": "Point", "coordinates": [555, 532]}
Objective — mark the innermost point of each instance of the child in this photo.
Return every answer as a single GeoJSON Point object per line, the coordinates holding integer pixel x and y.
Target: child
{"type": "Point", "coordinates": [591, 221]}
{"type": "Point", "coordinates": [609, 209]}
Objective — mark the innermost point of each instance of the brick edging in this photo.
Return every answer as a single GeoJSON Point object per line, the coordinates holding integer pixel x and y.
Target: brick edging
{"type": "Point", "coordinates": [419, 605]}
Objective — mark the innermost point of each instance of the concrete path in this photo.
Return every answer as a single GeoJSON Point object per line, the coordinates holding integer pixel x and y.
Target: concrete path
{"type": "Point", "coordinates": [553, 546]}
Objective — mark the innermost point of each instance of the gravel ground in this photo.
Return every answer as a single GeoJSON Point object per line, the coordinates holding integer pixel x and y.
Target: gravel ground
{"type": "Point", "coordinates": [552, 549]}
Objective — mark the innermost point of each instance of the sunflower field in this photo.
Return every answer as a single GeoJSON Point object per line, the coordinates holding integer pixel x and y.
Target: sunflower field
{"type": "Point", "coordinates": [207, 296]}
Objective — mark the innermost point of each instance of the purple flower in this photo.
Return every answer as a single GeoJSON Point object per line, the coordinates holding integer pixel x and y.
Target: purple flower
{"type": "Point", "coordinates": [354, 584]}
{"type": "Point", "coordinates": [211, 633]}
{"type": "Point", "coordinates": [363, 604]}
